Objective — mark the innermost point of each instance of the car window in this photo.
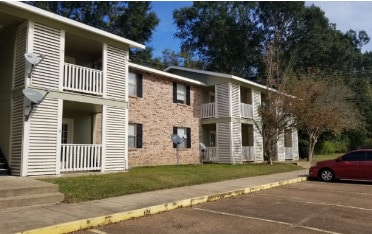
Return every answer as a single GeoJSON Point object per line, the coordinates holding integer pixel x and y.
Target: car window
{"type": "Point", "coordinates": [369, 155]}
{"type": "Point", "coordinates": [355, 156]}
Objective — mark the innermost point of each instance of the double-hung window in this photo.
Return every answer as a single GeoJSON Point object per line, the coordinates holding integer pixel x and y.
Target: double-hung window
{"type": "Point", "coordinates": [181, 93]}
{"type": "Point", "coordinates": [134, 135]}
{"type": "Point", "coordinates": [135, 84]}
{"type": "Point", "coordinates": [185, 135]}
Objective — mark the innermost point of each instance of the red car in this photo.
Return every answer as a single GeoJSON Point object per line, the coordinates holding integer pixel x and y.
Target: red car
{"type": "Point", "coordinates": [353, 165]}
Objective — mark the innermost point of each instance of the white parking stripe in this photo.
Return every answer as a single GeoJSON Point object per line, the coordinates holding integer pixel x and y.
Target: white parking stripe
{"type": "Point", "coordinates": [337, 205]}
{"type": "Point", "coordinates": [97, 231]}
{"type": "Point", "coordinates": [317, 203]}
{"type": "Point", "coordinates": [268, 220]}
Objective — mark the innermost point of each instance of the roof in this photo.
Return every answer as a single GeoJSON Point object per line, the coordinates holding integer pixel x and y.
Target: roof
{"type": "Point", "coordinates": [26, 11]}
{"type": "Point", "coordinates": [166, 74]}
{"type": "Point", "coordinates": [217, 74]}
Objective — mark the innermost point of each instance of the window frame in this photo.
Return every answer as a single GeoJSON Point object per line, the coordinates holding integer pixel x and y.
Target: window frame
{"type": "Point", "coordinates": [186, 91]}
{"type": "Point", "coordinates": [187, 141]}
{"type": "Point", "coordinates": [137, 84]}
{"type": "Point", "coordinates": [137, 135]}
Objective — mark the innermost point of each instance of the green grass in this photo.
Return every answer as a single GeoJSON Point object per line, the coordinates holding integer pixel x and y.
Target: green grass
{"type": "Point", "coordinates": [142, 179]}
{"type": "Point", "coordinates": [322, 157]}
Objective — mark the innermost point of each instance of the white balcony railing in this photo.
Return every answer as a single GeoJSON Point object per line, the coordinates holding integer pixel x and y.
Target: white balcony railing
{"type": "Point", "coordinates": [246, 110]}
{"type": "Point", "coordinates": [208, 110]}
{"type": "Point", "coordinates": [81, 157]}
{"type": "Point", "coordinates": [210, 154]}
{"type": "Point", "coordinates": [247, 153]}
{"type": "Point", "coordinates": [82, 79]}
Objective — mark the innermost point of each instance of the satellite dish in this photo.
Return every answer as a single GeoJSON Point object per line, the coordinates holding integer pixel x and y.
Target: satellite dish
{"type": "Point", "coordinates": [203, 147]}
{"type": "Point", "coordinates": [176, 139]}
{"type": "Point", "coordinates": [33, 59]}
{"type": "Point", "coordinates": [33, 95]}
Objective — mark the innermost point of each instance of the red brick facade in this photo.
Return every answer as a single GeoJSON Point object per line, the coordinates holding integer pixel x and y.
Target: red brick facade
{"type": "Point", "coordinates": [158, 115]}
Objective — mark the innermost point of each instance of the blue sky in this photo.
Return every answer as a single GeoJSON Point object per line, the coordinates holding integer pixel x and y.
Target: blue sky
{"type": "Point", "coordinates": [347, 15]}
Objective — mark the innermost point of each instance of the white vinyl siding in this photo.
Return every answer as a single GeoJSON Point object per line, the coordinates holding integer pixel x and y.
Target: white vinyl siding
{"type": "Point", "coordinates": [236, 143]}
{"type": "Point", "coordinates": [16, 135]}
{"type": "Point", "coordinates": [116, 139]}
{"type": "Point", "coordinates": [43, 138]}
{"type": "Point", "coordinates": [117, 66]}
{"type": "Point", "coordinates": [224, 142]}
{"type": "Point", "coordinates": [223, 100]}
{"type": "Point", "coordinates": [258, 144]}
{"type": "Point", "coordinates": [235, 100]}
{"type": "Point", "coordinates": [19, 59]}
{"type": "Point", "coordinates": [256, 104]}
{"type": "Point", "coordinates": [47, 42]}
{"type": "Point", "coordinates": [116, 118]}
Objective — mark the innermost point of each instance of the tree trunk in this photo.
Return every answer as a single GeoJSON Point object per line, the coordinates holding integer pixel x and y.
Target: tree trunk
{"type": "Point", "coordinates": [312, 141]}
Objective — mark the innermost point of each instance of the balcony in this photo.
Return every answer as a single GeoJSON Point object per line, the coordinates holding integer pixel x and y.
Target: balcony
{"type": "Point", "coordinates": [81, 157]}
{"type": "Point", "coordinates": [208, 110]}
{"type": "Point", "coordinates": [82, 79]}
{"type": "Point", "coordinates": [246, 110]}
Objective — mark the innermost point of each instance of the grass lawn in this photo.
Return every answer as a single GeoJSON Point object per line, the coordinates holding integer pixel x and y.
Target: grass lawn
{"type": "Point", "coordinates": [142, 179]}
{"type": "Point", "coordinates": [322, 157]}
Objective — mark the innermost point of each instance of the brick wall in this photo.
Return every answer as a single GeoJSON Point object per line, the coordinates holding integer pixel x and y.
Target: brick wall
{"type": "Point", "coordinates": [158, 115]}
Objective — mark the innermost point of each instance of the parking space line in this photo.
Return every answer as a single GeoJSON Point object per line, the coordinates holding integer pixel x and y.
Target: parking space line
{"type": "Point", "coordinates": [317, 203]}
{"type": "Point", "coordinates": [338, 205]}
{"type": "Point", "coordinates": [268, 220]}
{"type": "Point", "coordinates": [97, 231]}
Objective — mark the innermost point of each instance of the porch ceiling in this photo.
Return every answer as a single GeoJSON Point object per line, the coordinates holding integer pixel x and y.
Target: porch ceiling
{"type": "Point", "coordinates": [81, 107]}
{"type": "Point", "coordinates": [9, 20]}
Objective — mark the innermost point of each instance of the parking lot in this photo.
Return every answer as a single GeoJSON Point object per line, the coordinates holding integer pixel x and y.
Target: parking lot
{"type": "Point", "coordinates": [307, 207]}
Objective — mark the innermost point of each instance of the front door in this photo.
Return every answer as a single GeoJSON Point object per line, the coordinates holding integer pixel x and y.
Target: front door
{"type": "Point", "coordinates": [67, 131]}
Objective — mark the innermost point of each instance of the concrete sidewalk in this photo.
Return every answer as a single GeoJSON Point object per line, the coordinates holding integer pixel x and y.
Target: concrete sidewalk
{"type": "Point", "coordinates": [64, 218]}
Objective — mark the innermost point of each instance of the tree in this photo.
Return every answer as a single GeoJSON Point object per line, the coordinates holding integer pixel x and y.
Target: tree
{"type": "Point", "coordinates": [222, 34]}
{"type": "Point", "coordinates": [274, 112]}
{"type": "Point", "coordinates": [322, 104]}
{"type": "Point", "coordinates": [132, 20]}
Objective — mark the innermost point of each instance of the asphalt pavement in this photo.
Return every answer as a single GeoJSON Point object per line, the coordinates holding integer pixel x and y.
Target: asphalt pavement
{"type": "Point", "coordinates": [65, 218]}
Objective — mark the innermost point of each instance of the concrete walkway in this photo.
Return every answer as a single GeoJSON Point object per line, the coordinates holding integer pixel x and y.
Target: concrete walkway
{"type": "Point", "coordinates": [64, 218]}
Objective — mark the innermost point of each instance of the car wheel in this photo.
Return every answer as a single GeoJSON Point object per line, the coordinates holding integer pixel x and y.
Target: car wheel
{"type": "Point", "coordinates": [327, 175]}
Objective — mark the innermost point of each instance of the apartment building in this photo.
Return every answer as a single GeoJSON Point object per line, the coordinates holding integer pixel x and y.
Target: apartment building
{"type": "Point", "coordinates": [85, 73]}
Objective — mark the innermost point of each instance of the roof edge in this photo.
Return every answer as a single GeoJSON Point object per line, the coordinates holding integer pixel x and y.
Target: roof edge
{"type": "Point", "coordinates": [167, 74]}
{"type": "Point", "coordinates": [52, 16]}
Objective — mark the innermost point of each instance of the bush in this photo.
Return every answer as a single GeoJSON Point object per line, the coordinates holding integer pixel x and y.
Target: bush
{"type": "Point", "coordinates": [367, 144]}
{"type": "Point", "coordinates": [303, 148]}
{"type": "Point", "coordinates": [335, 146]}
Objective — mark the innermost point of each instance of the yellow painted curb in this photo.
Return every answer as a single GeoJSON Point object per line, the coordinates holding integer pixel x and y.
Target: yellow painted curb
{"type": "Point", "coordinates": [122, 216]}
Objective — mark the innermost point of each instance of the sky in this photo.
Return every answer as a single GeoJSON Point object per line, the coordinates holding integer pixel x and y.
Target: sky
{"type": "Point", "coordinates": [346, 15]}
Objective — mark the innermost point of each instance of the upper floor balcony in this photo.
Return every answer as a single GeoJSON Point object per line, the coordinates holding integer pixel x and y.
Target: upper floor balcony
{"type": "Point", "coordinates": [82, 79]}
{"type": "Point", "coordinates": [209, 110]}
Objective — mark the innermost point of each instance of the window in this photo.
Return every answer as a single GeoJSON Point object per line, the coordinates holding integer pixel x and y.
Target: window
{"type": "Point", "coordinates": [288, 138]}
{"type": "Point", "coordinates": [181, 93]}
{"type": "Point", "coordinates": [246, 95]}
{"type": "Point", "coordinates": [135, 84]}
{"type": "Point", "coordinates": [185, 134]}
{"type": "Point", "coordinates": [134, 135]}
{"type": "Point", "coordinates": [247, 135]}
{"type": "Point", "coordinates": [355, 156]}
